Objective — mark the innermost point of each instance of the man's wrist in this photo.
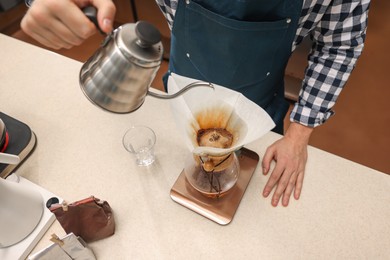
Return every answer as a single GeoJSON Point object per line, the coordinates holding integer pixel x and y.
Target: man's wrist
{"type": "Point", "coordinates": [296, 130]}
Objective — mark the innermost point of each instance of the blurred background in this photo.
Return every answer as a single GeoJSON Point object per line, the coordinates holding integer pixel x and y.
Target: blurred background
{"type": "Point", "coordinates": [360, 130]}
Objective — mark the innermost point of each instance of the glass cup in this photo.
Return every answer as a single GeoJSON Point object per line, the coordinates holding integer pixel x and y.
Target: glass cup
{"type": "Point", "coordinates": [140, 141]}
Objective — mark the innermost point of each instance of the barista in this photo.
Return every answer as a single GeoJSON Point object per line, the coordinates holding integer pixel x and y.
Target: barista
{"type": "Point", "coordinates": [243, 45]}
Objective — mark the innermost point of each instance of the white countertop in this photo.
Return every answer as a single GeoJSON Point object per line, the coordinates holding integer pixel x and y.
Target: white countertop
{"type": "Point", "coordinates": [343, 212]}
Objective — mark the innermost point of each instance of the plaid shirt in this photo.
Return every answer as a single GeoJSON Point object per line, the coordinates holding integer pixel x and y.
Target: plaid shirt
{"type": "Point", "coordinates": [337, 29]}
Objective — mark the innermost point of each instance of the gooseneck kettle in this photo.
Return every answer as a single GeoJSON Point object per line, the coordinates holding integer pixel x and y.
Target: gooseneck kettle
{"type": "Point", "coordinates": [118, 75]}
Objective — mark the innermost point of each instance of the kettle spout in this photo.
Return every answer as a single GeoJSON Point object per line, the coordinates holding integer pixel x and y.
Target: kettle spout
{"type": "Point", "coordinates": [182, 91]}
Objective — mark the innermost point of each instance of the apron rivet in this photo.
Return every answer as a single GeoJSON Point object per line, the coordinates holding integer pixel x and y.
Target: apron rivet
{"type": "Point", "coordinates": [188, 55]}
{"type": "Point", "coordinates": [188, 2]}
{"type": "Point", "coordinates": [268, 73]}
{"type": "Point", "coordinates": [288, 20]}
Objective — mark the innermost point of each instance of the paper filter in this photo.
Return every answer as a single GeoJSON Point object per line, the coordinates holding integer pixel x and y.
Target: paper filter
{"type": "Point", "coordinates": [202, 108]}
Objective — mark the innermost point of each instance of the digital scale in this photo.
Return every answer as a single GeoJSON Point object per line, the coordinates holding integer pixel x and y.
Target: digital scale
{"type": "Point", "coordinates": [21, 142]}
{"type": "Point", "coordinates": [220, 210]}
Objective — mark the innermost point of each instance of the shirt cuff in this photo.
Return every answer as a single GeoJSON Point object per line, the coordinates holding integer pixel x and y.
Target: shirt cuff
{"type": "Point", "coordinates": [308, 116]}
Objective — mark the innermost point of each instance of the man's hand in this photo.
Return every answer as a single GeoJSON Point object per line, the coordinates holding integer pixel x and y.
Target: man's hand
{"type": "Point", "coordinates": [61, 23]}
{"type": "Point", "coordinates": [290, 155]}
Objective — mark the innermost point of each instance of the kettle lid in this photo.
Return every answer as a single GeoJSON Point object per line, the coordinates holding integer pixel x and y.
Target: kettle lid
{"type": "Point", "coordinates": [140, 43]}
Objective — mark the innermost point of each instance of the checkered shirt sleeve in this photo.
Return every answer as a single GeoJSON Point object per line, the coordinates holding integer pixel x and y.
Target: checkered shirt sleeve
{"type": "Point", "coordinates": [338, 40]}
{"type": "Point", "coordinates": [168, 9]}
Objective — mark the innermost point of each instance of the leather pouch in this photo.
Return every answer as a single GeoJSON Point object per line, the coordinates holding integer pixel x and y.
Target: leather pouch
{"type": "Point", "coordinates": [91, 218]}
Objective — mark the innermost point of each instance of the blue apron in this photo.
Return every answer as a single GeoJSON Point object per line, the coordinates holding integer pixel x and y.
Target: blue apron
{"type": "Point", "coordinates": [240, 44]}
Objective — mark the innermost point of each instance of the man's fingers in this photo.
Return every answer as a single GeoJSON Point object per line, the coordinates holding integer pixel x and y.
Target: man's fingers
{"type": "Point", "coordinates": [63, 34]}
{"type": "Point", "coordinates": [46, 42]}
{"type": "Point", "coordinates": [76, 22]}
{"type": "Point", "coordinates": [43, 35]}
{"type": "Point", "coordinates": [298, 185]}
{"type": "Point", "coordinates": [281, 186]}
{"type": "Point", "coordinates": [106, 14]}
{"type": "Point", "coordinates": [290, 187]}
{"type": "Point", "coordinates": [267, 159]}
{"type": "Point", "coordinates": [273, 179]}
{"type": "Point", "coordinates": [57, 24]}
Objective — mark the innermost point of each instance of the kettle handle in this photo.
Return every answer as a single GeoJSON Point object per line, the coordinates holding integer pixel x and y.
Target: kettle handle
{"type": "Point", "coordinates": [91, 13]}
{"type": "Point", "coordinates": [180, 92]}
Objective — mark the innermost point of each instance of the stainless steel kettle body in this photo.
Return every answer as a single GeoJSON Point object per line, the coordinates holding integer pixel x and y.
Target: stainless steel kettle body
{"type": "Point", "coordinates": [118, 75]}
